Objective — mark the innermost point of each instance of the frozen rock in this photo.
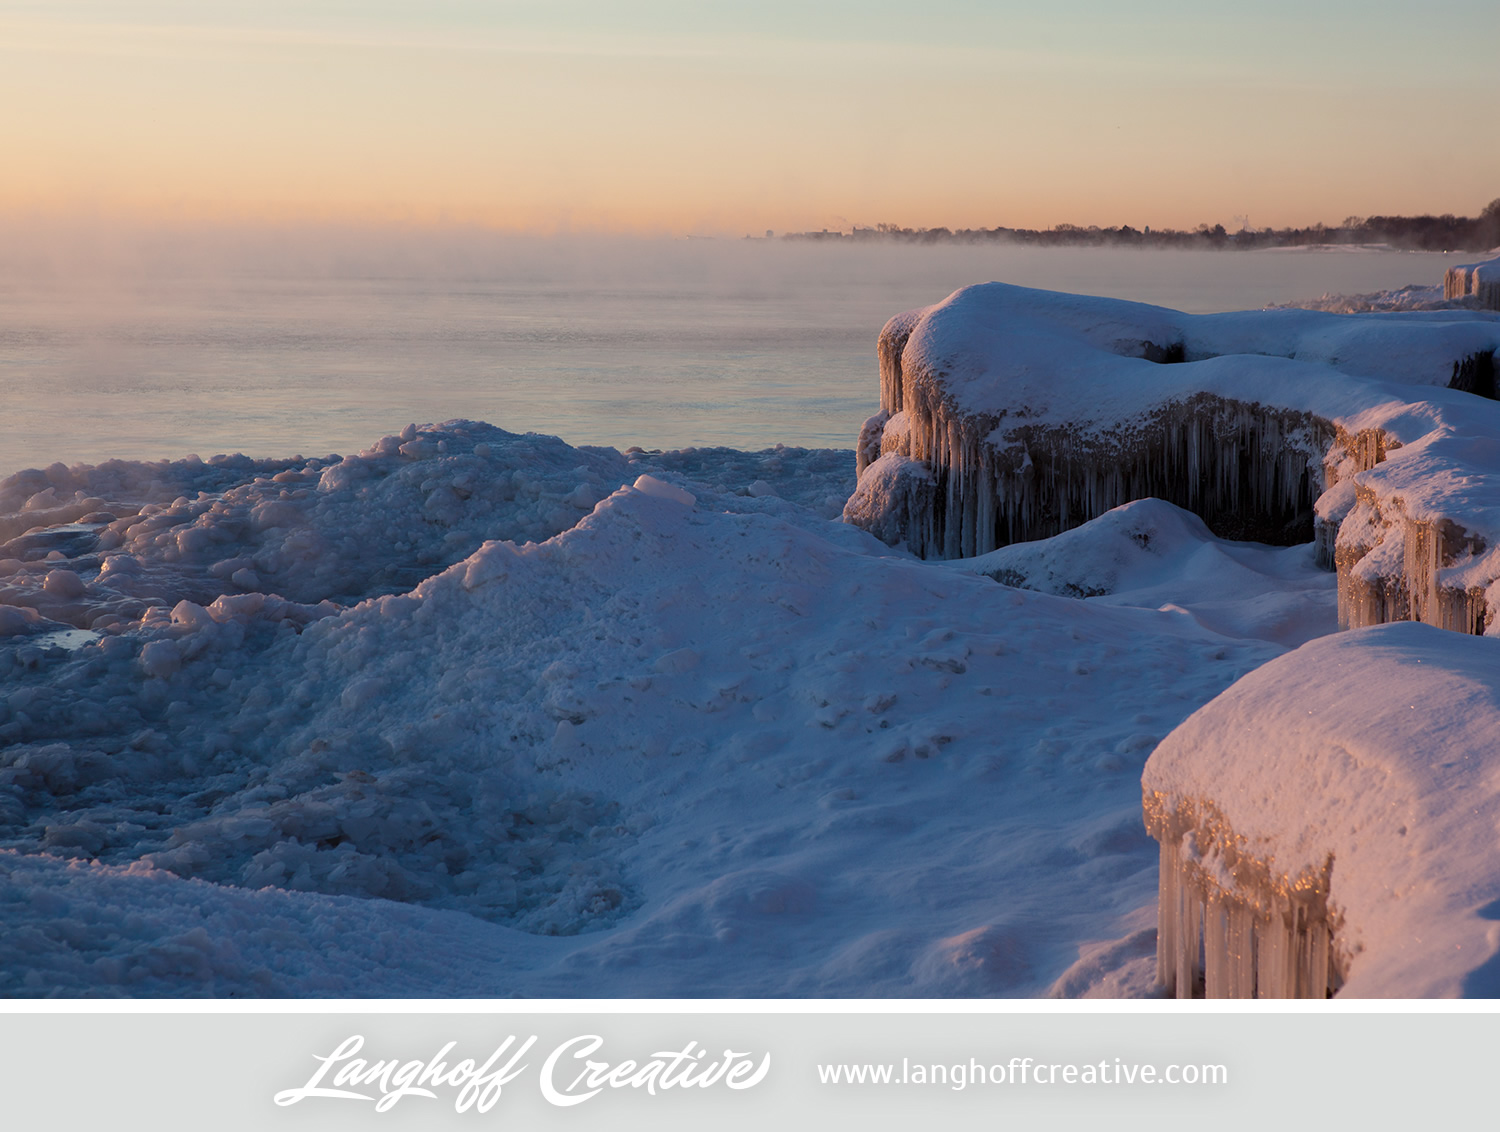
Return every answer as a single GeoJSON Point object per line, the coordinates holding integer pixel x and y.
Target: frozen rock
{"type": "Point", "coordinates": [1482, 280]}
{"type": "Point", "coordinates": [1010, 415]}
{"type": "Point", "coordinates": [1327, 824]}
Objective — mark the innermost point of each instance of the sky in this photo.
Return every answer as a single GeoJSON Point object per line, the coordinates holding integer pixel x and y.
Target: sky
{"type": "Point", "coordinates": [700, 116]}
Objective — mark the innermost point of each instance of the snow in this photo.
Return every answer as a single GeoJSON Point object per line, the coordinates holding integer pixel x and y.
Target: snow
{"type": "Point", "coordinates": [1354, 779]}
{"type": "Point", "coordinates": [699, 740]}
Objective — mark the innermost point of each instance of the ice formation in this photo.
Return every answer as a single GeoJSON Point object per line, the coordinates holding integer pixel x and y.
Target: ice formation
{"type": "Point", "coordinates": [1009, 415]}
{"type": "Point", "coordinates": [1327, 824]}
{"type": "Point", "coordinates": [1481, 280]}
{"type": "Point", "coordinates": [665, 730]}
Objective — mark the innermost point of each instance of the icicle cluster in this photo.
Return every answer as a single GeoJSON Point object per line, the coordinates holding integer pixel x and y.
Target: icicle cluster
{"type": "Point", "coordinates": [1389, 564]}
{"type": "Point", "coordinates": [1230, 926]}
{"type": "Point", "coordinates": [1479, 279]}
{"type": "Point", "coordinates": [1248, 470]}
{"type": "Point", "coordinates": [1371, 592]}
{"type": "Point", "coordinates": [1350, 454]}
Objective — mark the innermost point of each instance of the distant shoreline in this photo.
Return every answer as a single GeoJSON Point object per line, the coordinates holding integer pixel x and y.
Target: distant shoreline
{"type": "Point", "coordinates": [1446, 233]}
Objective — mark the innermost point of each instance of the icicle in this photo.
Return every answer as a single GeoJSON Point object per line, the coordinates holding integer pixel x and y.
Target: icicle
{"type": "Point", "coordinates": [1325, 539]}
{"type": "Point", "coordinates": [1423, 554]}
{"type": "Point", "coordinates": [1241, 947]}
{"type": "Point", "coordinates": [1189, 940]}
{"type": "Point", "coordinates": [1166, 902]}
{"type": "Point", "coordinates": [1227, 925]}
{"type": "Point", "coordinates": [1317, 969]}
{"type": "Point", "coordinates": [1271, 961]}
{"type": "Point", "coordinates": [1217, 960]}
{"type": "Point", "coordinates": [1478, 279]}
{"type": "Point", "coordinates": [892, 343]}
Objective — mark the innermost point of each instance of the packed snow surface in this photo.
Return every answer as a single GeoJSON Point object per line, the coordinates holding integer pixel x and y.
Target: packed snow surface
{"type": "Point", "coordinates": [1373, 755]}
{"type": "Point", "coordinates": [480, 714]}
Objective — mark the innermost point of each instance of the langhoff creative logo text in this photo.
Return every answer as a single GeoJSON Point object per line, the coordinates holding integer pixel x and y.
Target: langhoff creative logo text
{"type": "Point", "coordinates": [568, 1076]}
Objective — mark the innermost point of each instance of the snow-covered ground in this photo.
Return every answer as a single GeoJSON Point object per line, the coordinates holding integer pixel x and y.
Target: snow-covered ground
{"type": "Point", "coordinates": [528, 719]}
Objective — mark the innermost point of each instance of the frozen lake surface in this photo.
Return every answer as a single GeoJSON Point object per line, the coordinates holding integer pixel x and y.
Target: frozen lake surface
{"type": "Point", "coordinates": [156, 348]}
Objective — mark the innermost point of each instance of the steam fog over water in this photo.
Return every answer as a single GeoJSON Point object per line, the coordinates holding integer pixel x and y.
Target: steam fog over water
{"type": "Point", "coordinates": [153, 346]}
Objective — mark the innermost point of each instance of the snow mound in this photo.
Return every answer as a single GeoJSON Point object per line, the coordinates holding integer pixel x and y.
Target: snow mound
{"type": "Point", "coordinates": [1125, 548]}
{"type": "Point", "coordinates": [1011, 415]}
{"type": "Point", "coordinates": [1156, 556]}
{"type": "Point", "coordinates": [1329, 822]}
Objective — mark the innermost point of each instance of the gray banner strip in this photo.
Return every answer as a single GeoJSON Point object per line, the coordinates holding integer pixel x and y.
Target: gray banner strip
{"type": "Point", "coordinates": [733, 1071]}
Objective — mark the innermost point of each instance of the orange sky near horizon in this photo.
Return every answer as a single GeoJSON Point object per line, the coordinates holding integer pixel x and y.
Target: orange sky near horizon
{"type": "Point", "coordinates": [262, 114]}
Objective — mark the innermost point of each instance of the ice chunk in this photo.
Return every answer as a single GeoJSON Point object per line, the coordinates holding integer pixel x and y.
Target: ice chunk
{"type": "Point", "coordinates": [660, 489]}
{"type": "Point", "coordinates": [160, 658]}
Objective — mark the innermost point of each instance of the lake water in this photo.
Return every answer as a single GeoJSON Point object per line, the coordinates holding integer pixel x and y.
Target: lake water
{"type": "Point", "coordinates": [278, 347]}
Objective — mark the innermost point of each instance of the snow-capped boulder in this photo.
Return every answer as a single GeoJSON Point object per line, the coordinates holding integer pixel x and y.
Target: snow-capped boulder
{"type": "Point", "coordinates": [1329, 822]}
{"type": "Point", "coordinates": [1032, 412]}
{"type": "Point", "coordinates": [1481, 280]}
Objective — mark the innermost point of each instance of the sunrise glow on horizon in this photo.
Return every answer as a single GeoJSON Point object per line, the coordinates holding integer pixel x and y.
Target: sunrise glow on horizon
{"type": "Point", "coordinates": [676, 117]}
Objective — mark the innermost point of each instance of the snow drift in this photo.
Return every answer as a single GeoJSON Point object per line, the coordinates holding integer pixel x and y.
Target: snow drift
{"type": "Point", "coordinates": [1328, 823]}
{"type": "Point", "coordinates": [1009, 415]}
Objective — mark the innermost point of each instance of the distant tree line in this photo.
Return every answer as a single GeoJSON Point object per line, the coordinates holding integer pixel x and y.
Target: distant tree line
{"type": "Point", "coordinates": [1428, 233]}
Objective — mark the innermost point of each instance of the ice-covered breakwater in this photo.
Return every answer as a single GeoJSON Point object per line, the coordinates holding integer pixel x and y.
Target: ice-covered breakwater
{"type": "Point", "coordinates": [1482, 280]}
{"type": "Point", "coordinates": [1009, 414]}
{"type": "Point", "coordinates": [1328, 822]}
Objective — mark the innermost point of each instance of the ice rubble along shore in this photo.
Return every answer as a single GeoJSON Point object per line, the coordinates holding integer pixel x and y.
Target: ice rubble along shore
{"type": "Point", "coordinates": [1009, 414]}
{"type": "Point", "coordinates": [648, 724]}
{"type": "Point", "coordinates": [1329, 821]}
